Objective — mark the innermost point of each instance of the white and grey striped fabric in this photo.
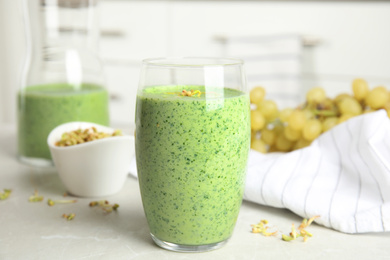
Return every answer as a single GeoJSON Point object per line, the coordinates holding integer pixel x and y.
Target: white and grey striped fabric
{"type": "Point", "coordinates": [344, 177]}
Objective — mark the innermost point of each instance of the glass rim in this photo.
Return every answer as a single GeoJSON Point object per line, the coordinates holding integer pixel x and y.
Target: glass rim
{"type": "Point", "coordinates": [193, 61]}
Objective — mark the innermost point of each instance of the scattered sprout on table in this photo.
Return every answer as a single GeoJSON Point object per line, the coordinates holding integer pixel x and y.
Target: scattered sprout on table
{"type": "Point", "coordinates": [301, 231]}
{"type": "Point", "coordinates": [262, 228]}
{"type": "Point", "coordinates": [35, 197]}
{"type": "Point", "coordinates": [104, 205]}
{"type": "Point", "coordinates": [4, 195]}
{"type": "Point", "coordinates": [51, 202]}
{"type": "Point", "coordinates": [69, 217]}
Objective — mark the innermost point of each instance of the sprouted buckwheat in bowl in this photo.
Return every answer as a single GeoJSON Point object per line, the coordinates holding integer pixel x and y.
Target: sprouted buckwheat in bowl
{"type": "Point", "coordinates": [92, 160]}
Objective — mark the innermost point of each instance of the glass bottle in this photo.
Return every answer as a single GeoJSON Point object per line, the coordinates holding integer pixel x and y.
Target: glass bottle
{"type": "Point", "coordinates": [63, 78]}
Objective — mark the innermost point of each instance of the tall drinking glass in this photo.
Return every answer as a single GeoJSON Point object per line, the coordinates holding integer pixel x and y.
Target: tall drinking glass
{"type": "Point", "coordinates": [192, 144]}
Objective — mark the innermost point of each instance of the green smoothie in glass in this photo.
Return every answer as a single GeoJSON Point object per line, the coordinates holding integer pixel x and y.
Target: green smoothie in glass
{"type": "Point", "coordinates": [42, 108]}
{"type": "Point", "coordinates": [191, 150]}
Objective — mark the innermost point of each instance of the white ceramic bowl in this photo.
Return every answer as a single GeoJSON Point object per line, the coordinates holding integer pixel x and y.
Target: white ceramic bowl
{"type": "Point", "coordinates": [92, 169]}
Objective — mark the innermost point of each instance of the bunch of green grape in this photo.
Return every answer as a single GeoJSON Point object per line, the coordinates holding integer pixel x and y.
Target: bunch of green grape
{"type": "Point", "coordinates": [285, 130]}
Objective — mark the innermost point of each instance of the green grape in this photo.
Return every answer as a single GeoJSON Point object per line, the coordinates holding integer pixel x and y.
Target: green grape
{"type": "Point", "coordinates": [268, 136]}
{"type": "Point", "coordinates": [257, 95]}
{"type": "Point", "coordinates": [328, 123]}
{"type": "Point", "coordinates": [387, 105]}
{"type": "Point", "coordinates": [327, 104]}
{"type": "Point", "coordinates": [297, 128]}
{"type": "Point", "coordinates": [268, 108]}
{"type": "Point", "coordinates": [315, 95]}
{"type": "Point", "coordinates": [340, 97]}
{"type": "Point", "coordinates": [284, 114]}
{"type": "Point", "coordinates": [308, 114]}
{"type": "Point", "coordinates": [297, 120]}
{"type": "Point", "coordinates": [283, 144]}
{"type": "Point", "coordinates": [301, 143]}
{"type": "Point", "coordinates": [257, 120]}
{"type": "Point", "coordinates": [360, 89]}
{"type": "Point", "coordinates": [278, 129]}
{"type": "Point", "coordinates": [292, 134]}
{"type": "Point", "coordinates": [259, 145]}
{"type": "Point", "coordinates": [377, 97]}
{"type": "Point", "coordinates": [312, 129]}
{"type": "Point", "coordinates": [350, 106]}
{"type": "Point", "coordinates": [272, 149]}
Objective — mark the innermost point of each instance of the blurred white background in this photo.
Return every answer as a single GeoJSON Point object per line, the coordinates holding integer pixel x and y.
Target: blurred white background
{"type": "Point", "coordinates": [288, 46]}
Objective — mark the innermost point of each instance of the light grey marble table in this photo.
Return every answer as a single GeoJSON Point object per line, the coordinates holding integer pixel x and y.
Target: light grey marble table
{"type": "Point", "coordinates": [37, 231]}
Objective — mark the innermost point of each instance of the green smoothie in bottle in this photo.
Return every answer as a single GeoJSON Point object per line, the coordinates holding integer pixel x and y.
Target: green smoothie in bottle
{"type": "Point", "coordinates": [42, 108]}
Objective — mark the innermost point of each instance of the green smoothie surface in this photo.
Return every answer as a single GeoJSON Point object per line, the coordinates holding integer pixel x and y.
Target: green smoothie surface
{"type": "Point", "coordinates": [42, 108]}
{"type": "Point", "coordinates": [191, 158]}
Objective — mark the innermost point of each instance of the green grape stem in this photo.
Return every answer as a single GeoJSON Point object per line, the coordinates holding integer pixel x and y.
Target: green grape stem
{"type": "Point", "coordinates": [326, 113]}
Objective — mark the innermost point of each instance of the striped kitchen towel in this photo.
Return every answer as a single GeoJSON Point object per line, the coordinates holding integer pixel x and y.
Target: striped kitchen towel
{"type": "Point", "coordinates": [343, 176]}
